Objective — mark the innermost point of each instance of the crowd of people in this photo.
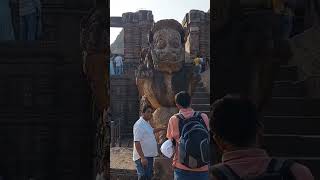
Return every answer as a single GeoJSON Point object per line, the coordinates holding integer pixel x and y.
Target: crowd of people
{"type": "Point", "coordinates": [200, 64]}
{"type": "Point", "coordinates": [20, 20]}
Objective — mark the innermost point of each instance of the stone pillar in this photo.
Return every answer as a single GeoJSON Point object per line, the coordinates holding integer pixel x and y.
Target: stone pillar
{"type": "Point", "coordinates": [136, 28]}
{"type": "Point", "coordinates": [197, 25]}
{"type": "Point", "coordinates": [145, 24]}
{"type": "Point", "coordinates": [162, 168]}
{"type": "Point", "coordinates": [131, 38]}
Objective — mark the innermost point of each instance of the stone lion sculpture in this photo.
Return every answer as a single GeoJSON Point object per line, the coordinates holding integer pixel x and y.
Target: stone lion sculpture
{"type": "Point", "coordinates": [163, 72]}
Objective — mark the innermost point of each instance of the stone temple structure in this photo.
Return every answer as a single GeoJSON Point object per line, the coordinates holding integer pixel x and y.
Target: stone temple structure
{"type": "Point", "coordinates": [140, 53]}
{"type": "Point", "coordinates": [136, 27]}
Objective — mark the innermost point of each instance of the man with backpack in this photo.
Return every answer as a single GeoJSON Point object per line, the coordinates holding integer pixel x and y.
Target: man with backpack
{"type": "Point", "coordinates": [234, 122]}
{"type": "Point", "coordinates": [189, 132]}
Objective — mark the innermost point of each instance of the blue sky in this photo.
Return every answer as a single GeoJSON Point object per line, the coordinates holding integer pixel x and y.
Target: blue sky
{"type": "Point", "coordinates": [161, 9]}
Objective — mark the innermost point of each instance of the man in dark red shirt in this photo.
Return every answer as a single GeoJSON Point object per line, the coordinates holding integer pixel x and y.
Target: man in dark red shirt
{"type": "Point", "coordinates": [234, 123]}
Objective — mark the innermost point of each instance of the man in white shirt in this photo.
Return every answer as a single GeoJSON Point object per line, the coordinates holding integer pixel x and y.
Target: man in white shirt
{"type": "Point", "coordinates": [119, 64]}
{"type": "Point", "coordinates": [145, 145]}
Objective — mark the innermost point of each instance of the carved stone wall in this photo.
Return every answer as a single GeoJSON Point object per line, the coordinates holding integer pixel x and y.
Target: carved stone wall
{"type": "Point", "coordinates": [197, 26]}
{"type": "Point", "coordinates": [136, 28]}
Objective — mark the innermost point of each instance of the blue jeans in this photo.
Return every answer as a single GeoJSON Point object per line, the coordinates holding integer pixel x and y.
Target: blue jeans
{"type": "Point", "coordinates": [144, 173]}
{"type": "Point", "coordinates": [118, 70]}
{"type": "Point", "coordinates": [29, 25]}
{"type": "Point", "coordinates": [180, 174]}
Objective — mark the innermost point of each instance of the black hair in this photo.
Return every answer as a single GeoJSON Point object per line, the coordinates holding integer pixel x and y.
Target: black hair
{"type": "Point", "coordinates": [145, 108]}
{"type": "Point", "coordinates": [234, 120]}
{"type": "Point", "coordinates": [183, 99]}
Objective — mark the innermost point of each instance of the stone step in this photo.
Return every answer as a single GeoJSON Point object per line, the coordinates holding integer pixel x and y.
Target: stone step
{"type": "Point", "coordinates": [293, 106]}
{"type": "Point", "coordinates": [287, 89]}
{"type": "Point", "coordinates": [286, 145]}
{"type": "Point", "coordinates": [287, 73]}
{"type": "Point", "coordinates": [301, 125]}
{"type": "Point", "coordinates": [200, 95]}
{"type": "Point", "coordinates": [200, 84]}
{"type": "Point", "coordinates": [201, 107]}
{"type": "Point", "coordinates": [200, 89]}
{"type": "Point", "coordinates": [200, 100]}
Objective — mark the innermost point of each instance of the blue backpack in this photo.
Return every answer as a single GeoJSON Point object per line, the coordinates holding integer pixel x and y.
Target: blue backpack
{"type": "Point", "coordinates": [194, 141]}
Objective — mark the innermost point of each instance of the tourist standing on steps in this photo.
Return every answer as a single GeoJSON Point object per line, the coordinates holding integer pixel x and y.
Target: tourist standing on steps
{"type": "Point", "coordinates": [176, 127]}
{"type": "Point", "coordinates": [119, 64]}
{"type": "Point", "coordinates": [112, 66]}
{"type": "Point", "coordinates": [145, 145]}
{"type": "Point", "coordinates": [234, 122]}
{"type": "Point", "coordinates": [30, 15]}
{"type": "Point", "coordinates": [284, 9]}
{"type": "Point", "coordinates": [197, 65]}
{"type": "Point", "coordinates": [6, 28]}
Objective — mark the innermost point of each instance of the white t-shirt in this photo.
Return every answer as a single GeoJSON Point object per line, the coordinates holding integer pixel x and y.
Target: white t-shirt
{"type": "Point", "coordinates": [118, 61]}
{"type": "Point", "coordinates": [143, 132]}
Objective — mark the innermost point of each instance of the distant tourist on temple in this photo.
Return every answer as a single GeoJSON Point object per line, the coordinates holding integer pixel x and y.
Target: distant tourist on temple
{"type": "Point", "coordinates": [190, 162]}
{"type": "Point", "coordinates": [6, 28]}
{"type": "Point", "coordinates": [203, 64]}
{"type": "Point", "coordinates": [119, 64]}
{"type": "Point", "coordinates": [30, 19]}
{"type": "Point", "coordinates": [234, 123]}
{"type": "Point", "coordinates": [145, 145]}
{"type": "Point", "coordinates": [197, 65]}
{"type": "Point", "coordinates": [284, 9]}
{"type": "Point", "coordinates": [112, 66]}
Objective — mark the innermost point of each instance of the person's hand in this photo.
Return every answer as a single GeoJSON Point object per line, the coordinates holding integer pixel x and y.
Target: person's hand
{"type": "Point", "coordinates": [144, 161]}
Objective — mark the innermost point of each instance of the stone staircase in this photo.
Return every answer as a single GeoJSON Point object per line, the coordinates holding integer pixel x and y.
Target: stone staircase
{"type": "Point", "coordinates": [292, 122]}
{"type": "Point", "coordinates": [200, 100]}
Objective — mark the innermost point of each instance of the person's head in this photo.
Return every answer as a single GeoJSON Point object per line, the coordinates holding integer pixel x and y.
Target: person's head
{"type": "Point", "coordinates": [182, 99]}
{"type": "Point", "coordinates": [147, 112]}
{"type": "Point", "coordinates": [197, 61]}
{"type": "Point", "coordinates": [234, 122]}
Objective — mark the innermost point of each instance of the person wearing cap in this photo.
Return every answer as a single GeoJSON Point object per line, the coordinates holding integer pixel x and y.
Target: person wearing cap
{"type": "Point", "coordinates": [145, 145]}
{"type": "Point", "coordinates": [182, 172]}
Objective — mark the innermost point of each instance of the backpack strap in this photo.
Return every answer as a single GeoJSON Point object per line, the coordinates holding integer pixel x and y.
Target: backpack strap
{"type": "Point", "coordinates": [281, 166]}
{"type": "Point", "coordinates": [198, 114]}
{"type": "Point", "coordinates": [224, 172]}
{"type": "Point", "coordinates": [181, 120]}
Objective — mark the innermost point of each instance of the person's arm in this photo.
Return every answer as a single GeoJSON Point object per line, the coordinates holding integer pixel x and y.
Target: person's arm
{"type": "Point", "coordinates": [140, 152]}
{"type": "Point", "coordinates": [156, 130]}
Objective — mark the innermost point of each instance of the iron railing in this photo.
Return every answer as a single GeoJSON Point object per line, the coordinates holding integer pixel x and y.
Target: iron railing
{"type": "Point", "coordinates": [115, 131]}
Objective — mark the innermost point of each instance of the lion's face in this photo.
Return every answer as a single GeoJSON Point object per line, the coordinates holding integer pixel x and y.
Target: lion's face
{"type": "Point", "coordinates": [167, 51]}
